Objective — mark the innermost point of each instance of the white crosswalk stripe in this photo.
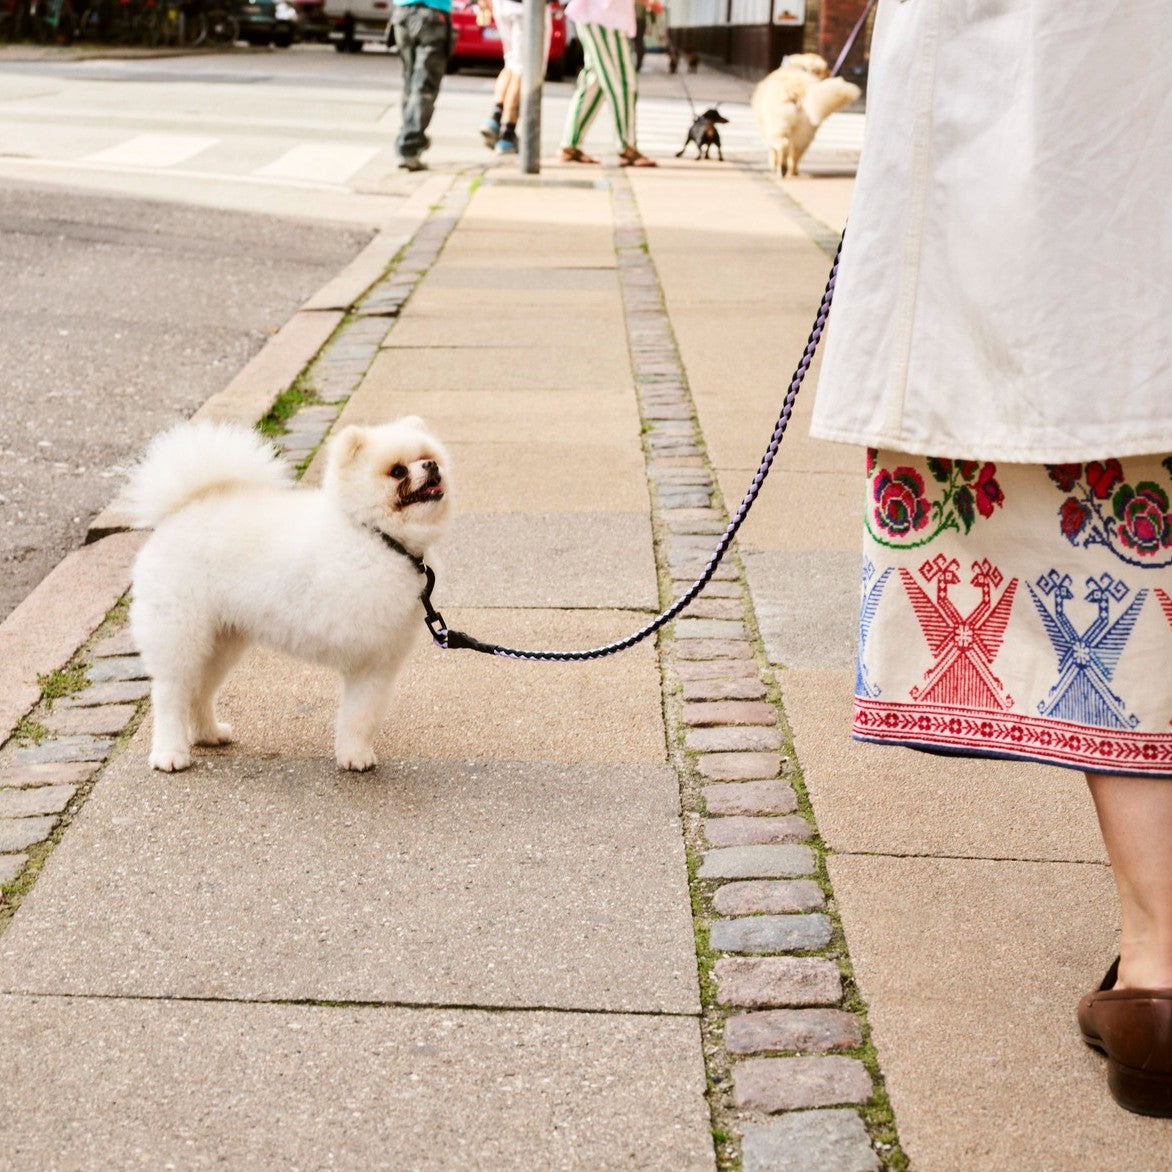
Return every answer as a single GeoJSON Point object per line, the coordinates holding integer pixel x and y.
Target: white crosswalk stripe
{"type": "Point", "coordinates": [319, 162]}
{"type": "Point", "coordinates": [153, 150]}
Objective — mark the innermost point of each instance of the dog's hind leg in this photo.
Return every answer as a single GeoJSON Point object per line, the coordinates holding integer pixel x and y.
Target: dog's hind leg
{"type": "Point", "coordinates": [206, 729]}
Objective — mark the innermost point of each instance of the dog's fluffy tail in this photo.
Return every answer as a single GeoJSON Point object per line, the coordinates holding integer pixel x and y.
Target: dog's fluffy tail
{"type": "Point", "coordinates": [195, 458]}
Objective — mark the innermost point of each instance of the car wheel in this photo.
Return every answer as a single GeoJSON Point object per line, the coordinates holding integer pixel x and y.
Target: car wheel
{"type": "Point", "coordinates": [453, 65]}
{"type": "Point", "coordinates": [556, 70]}
{"type": "Point", "coordinates": [283, 40]}
{"type": "Point", "coordinates": [257, 40]}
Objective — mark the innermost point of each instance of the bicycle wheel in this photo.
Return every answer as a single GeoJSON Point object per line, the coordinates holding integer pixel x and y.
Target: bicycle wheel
{"type": "Point", "coordinates": [223, 28]}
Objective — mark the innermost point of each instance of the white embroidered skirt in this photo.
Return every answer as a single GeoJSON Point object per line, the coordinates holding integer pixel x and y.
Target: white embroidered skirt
{"type": "Point", "coordinates": [1020, 611]}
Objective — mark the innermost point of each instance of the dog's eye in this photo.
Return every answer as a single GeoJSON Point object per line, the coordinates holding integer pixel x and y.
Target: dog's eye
{"type": "Point", "coordinates": [398, 471]}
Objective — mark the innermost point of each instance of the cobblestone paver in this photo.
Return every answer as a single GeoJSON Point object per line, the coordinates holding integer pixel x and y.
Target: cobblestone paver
{"type": "Point", "coordinates": [777, 1038]}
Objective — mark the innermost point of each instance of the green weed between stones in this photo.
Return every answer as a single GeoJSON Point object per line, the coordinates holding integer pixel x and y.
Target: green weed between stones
{"type": "Point", "coordinates": [284, 407]}
{"type": "Point", "coordinates": [65, 681]}
{"type": "Point", "coordinates": [29, 731]}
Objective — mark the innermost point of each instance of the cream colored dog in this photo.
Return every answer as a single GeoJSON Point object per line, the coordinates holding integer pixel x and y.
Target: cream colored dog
{"type": "Point", "coordinates": [790, 104]}
{"type": "Point", "coordinates": [239, 555]}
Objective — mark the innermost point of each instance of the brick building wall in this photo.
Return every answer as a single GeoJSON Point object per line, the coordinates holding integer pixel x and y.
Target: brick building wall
{"type": "Point", "coordinates": [836, 19]}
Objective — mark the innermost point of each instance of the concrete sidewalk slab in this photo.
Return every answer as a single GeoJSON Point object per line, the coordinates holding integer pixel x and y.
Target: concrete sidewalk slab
{"type": "Point", "coordinates": [425, 883]}
{"type": "Point", "coordinates": [97, 1083]}
{"type": "Point", "coordinates": [807, 604]}
{"type": "Point", "coordinates": [495, 250]}
{"type": "Point", "coordinates": [593, 331]}
{"type": "Point", "coordinates": [452, 367]}
{"type": "Point", "coordinates": [549, 560]}
{"type": "Point", "coordinates": [517, 307]}
{"type": "Point", "coordinates": [880, 799]}
{"type": "Point", "coordinates": [972, 970]}
{"type": "Point", "coordinates": [542, 477]}
{"type": "Point", "coordinates": [461, 705]}
{"type": "Point", "coordinates": [813, 511]}
{"type": "Point", "coordinates": [534, 418]}
{"type": "Point", "coordinates": [505, 283]}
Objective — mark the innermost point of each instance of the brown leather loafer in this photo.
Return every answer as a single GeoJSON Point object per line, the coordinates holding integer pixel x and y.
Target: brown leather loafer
{"type": "Point", "coordinates": [1133, 1027]}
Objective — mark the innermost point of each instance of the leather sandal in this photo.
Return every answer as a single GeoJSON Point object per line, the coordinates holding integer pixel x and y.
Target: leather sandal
{"type": "Point", "coordinates": [633, 158]}
{"type": "Point", "coordinates": [575, 155]}
{"type": "Point", "coordinates": [1133, 1028]}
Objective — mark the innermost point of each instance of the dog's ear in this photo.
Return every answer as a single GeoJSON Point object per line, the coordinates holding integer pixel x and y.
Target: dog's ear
{"type": "Point", "coordinates": [348, 443]}
{"type": "Point", "coordinates": [416, 421]}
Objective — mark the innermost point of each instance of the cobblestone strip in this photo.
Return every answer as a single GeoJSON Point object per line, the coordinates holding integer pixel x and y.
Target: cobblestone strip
{"type": "Point", "coordinates": [90, 707]}
{"type": "Point", "coordinates": [793, 1081]}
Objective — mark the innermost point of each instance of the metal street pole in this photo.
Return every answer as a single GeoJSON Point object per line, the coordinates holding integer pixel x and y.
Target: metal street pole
{"type": "Point", "coordinates": [531, 86]}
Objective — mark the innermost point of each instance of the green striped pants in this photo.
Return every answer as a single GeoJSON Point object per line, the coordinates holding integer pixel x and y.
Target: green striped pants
{"type": "Point", "coordinates": [608, 72]}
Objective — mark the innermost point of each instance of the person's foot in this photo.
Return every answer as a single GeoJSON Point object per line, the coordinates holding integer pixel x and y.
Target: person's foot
{"type": "Point", "coordinates": [1133, 1028]}
{"type": "Point", "coordinates": [506, 144]}
{"type": "Point", "coordinates": [631, 157]}
{"type": "Point", "coordinates": [412, 163]}
{"type": "Point", "coordinates": [490, 131]}
{"type": "Point", "coordinates": [575, 155]}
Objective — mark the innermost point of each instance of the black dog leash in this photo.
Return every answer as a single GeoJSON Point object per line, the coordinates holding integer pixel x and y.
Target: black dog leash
{"type": "Point", "coordinates": [451, 640]}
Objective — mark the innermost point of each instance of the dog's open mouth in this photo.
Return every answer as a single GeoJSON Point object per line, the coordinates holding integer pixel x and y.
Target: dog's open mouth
{"type": "Point", "coordinates": [432, 491]}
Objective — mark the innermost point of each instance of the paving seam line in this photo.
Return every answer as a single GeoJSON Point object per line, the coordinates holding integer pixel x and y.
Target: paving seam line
{"type": "Point", "coordinates": [344, 1003]}
{"type": "Point", "coordinates": [89, 708]}
{"type": "Point", "coordinates": [786, 1040]}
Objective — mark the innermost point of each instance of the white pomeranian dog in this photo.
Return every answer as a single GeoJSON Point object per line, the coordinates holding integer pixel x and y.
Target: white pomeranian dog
{"type": "Point", "coordinates": [789, 105]}
{"type": "Point", "coordinates": [240, 555]}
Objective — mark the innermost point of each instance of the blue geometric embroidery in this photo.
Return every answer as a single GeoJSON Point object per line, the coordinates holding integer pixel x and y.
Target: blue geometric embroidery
{"type": "Point", "coordinates": [1087, 659]}
{"type": "Point", "coordinates": [872, 592]}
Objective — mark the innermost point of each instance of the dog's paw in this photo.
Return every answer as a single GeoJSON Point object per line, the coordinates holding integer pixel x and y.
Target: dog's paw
{"type": "Point", "coordinates": [170, 760]}
{"type": "Point", "coordinates": [357, 759]}
{"type": "Point", "coordinates": [218, 733]}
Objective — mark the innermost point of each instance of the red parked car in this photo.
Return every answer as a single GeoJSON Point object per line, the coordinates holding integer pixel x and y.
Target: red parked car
{"type": "Point", "coordinates": [481, 45]}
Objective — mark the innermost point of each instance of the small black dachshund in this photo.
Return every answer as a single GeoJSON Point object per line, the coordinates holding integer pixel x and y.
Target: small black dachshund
{"type": "Point", "coordinates": [705, 135]}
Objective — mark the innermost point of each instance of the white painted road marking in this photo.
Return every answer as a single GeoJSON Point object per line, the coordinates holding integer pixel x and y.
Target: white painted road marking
{"type": "Point", "coordinates": [319, 162]}
{"type": "Point", "coordinates": [153, 150]}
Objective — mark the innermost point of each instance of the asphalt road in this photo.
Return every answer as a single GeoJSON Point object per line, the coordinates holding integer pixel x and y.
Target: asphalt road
{"type": "Point", "coordinates": [119, 318]}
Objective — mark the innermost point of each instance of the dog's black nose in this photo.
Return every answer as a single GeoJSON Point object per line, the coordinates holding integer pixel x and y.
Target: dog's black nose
{"type": "Point", "coordinates": [430, 467]}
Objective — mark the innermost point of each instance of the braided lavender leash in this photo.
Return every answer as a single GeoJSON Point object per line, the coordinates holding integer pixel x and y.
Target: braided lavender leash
{"type": "Point", "coordinates": [453, 640]}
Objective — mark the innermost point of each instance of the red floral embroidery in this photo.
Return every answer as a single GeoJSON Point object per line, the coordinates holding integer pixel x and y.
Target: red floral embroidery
{"type": "Point", "coordinates": [902, 507]}
{"type": "Point", "coordinates": [1145, 523]}
{"type": "Point", "coordinates": [1074, 516]}
{"type": "Point", "coordinates": [1066, 476]}
{"type": "Point", "coordinates": [989, 494]}
{"type": "Point", "coordinates": [1102, 478]}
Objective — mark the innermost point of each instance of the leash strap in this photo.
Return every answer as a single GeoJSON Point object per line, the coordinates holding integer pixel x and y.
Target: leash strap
{"type": "Point", "coordinates": [451, 640]}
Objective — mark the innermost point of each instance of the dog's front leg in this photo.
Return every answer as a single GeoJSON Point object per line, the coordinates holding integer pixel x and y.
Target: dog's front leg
{"type": "Point", "coordinates": [172, 733]}
{"type": "Point", "coordinates": [365, 697]}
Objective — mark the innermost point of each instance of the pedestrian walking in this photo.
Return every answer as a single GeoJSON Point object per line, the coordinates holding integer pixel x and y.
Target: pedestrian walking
{"type": "Point", "coordinates": [1000, 345]}
{"type": "Point", "coordinates": [423, 33]}
{"type": "Point", "coordinates": [605, 29]}
{"type": "Point", "coordinates": [645, 11]}
{"type": "Point", "coordinates": [499, 129]}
